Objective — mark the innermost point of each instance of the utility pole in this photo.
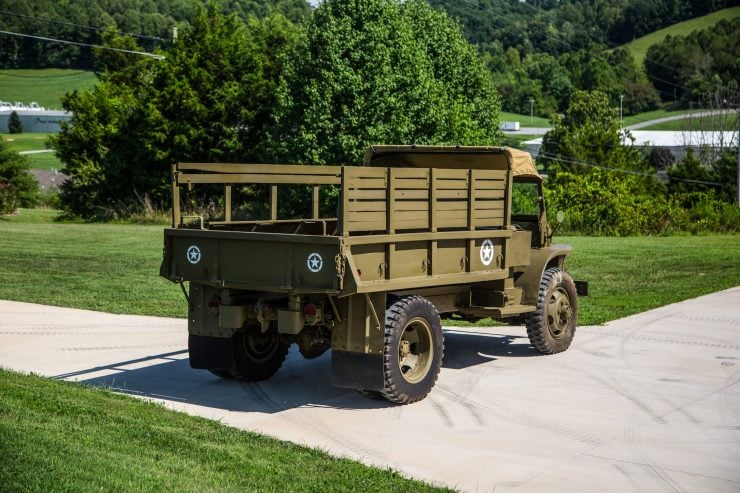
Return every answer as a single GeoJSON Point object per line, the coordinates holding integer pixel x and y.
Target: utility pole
{"type": "Point", "coordinates": [621, 120]}
{"type": "Point", "coordinates": [531, 111]}
{"type": "Point", "coordinates": [737, 136]}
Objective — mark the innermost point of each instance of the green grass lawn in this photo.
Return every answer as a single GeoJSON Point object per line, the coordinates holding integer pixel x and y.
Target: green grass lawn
{"type": "Point", "coordinates": [44, 86]}
{"type": "Point", "coordinates": [114, 268]}
{"type": "Point", "coordinates": [33, 142]}
{"type": "Point", "coordinates": [639, 47]}
{"type": "Point", "coordinates": [59, 436]}
{"type": "Point", "coordinates": [524, 120]}
{"type": "Point", "coordinates": [707, 123]}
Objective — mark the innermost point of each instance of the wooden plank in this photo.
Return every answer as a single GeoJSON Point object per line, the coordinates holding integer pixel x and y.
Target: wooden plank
{"type": "Point", "coordinates": [367, 216]}
{"type": "Point", "coordinates": [427, 236]}
{"type": "Point", "coordinates": [452, 222]}
{"type": "Point", "coordinates": [452, 194]}
{"type": "Point", "coordinates": [412, 183]}
{"type": "Point", "coordinates": [411, 205]}
{"type": "Point", "coordinates": [273, 202]}
{"type": "Point", "coordinates": [462, 214]}
{"type": "Point", "coordinates": [490, 194]}
{"type": "Point", "coordinates": [422, 217]}
{"type": "Point", "coordinates": [227, 203]}
{"type": "Point", "coordinates": [367, 225]}
{"type": "Point", "coordinates": [364, 172]}
{"type": "Point", "coordinates": [490, 174]}
{"type": "Point", "coordinates": [409, 173]}
{"type": "Point", "coordinates": [489, 222]}
{"type": "Point", "coordinates": [366, 206]}
{"type": "Point", "coordinates": [356, 183]}
{"type": "Point", "coordinates": [489, 185]}
{"type": "Point", "coordinates": [280, 179]}
{"type": "Point", "coordinates": [452, 205]}
{"type": "Point", "coordinates": [482, 205]}
{"type": "Point", "coordinates": [443, 173]}
{"type": "Point", "coordinates": [246, 168]}
{"type": "Point", "coordinates": [366, 195]}
{"type": "Point", "coordinates": [411, 194]}
{"type": "Point", "coordinates": [490, 213]}
{"type": "Point", "coordinates": [443, 184]}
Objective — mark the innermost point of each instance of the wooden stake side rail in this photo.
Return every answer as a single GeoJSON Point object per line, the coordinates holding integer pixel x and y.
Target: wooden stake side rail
{"type": "Point", "coordinates": [374, 199]}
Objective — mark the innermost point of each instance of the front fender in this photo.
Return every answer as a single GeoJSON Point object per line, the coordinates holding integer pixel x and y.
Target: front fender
{"type": "Point", "coordinates": [540, 259]}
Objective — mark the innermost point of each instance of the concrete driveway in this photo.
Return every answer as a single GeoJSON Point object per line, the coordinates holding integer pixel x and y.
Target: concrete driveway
{"type": "Point", "coordinates": [646, 403]}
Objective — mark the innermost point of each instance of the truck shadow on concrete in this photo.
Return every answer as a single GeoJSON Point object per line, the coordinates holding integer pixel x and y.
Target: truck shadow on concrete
{"type": "Point", "coordinates": [299, 383]}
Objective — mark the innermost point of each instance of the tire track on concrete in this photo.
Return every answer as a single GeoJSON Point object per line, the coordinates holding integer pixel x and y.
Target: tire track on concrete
{"type": "Point", "coordinates": [518, 417]}
{"type": "Point", "coordinates": [270, 406]}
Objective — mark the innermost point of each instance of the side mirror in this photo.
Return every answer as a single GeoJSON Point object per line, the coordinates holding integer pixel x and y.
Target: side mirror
{"type": "Point", "coordinates": [559, 218]}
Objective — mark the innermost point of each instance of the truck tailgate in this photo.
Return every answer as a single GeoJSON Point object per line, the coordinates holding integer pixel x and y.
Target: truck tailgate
{"type": "Point", "coordinates": [254, 261]}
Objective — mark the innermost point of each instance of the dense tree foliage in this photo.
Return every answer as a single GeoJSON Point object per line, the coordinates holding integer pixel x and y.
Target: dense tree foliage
{"type": "Point", "coordinates": [699, 64]}
{"type": "Point", "coordinates": [18, 188]}
{"type": "Point", "coordinates": [381, 71]}
{"type": "Point", "coordinates": [153, 20]}
{"type": "Point", "coordinates": [544, 49]}
{"type": "Point", "coordinates": [606, 186]}
{"type": "Point", "coordinates": [208, 100]}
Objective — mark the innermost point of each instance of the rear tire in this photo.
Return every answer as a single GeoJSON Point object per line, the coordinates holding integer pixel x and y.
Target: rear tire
{"type": "Point", "coordinates": [413, 349]}
{"type": "Point", "coordinates": [552, 326]}
{"type": "Point", "coordinates": [258, 355]}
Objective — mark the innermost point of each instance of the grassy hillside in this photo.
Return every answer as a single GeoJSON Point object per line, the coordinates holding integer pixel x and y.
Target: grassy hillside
{"type": "Point", "coordinates": [45, 87]}
{"type": "Point", "coordinates": [639, 47]}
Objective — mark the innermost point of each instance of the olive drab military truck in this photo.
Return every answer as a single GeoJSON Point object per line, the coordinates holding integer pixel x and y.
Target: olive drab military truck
{"type": "Point", "coordinates": [420, 233]}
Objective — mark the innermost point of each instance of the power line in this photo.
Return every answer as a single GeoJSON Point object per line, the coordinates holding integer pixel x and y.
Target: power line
{"type": "Point", "coordinates": [91, 28]}
{"type": "Point", "coordinates": [63, 41]}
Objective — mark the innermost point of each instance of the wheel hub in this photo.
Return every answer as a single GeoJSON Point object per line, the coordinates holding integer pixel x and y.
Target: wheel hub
{"type": "Point", "coordinates": [559, 313]}
{"type": "Point", "coordinates": [415, 350]}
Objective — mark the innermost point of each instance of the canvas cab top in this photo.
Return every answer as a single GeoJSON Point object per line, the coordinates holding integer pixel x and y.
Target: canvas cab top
{"type": "Point", "coordinates": [453, 157]}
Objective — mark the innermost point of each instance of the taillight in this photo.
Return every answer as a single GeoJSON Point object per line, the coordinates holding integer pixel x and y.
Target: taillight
{"type": "Point", "coordinates": [312, 313]}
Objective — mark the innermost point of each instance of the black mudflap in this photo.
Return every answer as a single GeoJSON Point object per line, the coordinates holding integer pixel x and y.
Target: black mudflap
{"type": "Point", "coordinates": [357, 370]}
{"type": "Point", "coordinates": [211, 353]}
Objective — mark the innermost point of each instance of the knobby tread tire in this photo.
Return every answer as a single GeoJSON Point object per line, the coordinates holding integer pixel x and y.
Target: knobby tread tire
{"type": "Point", "coordinates": [538, 329]}
{"type": "Point", "coordinates": [397, 389]}
{"type": "Point", "coordinates": [248, 369]}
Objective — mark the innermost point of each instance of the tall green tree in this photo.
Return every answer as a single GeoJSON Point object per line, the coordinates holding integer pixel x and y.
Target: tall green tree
{"type": "Point", "coordinates": [15, 125]}
{"type": "Point", "coordinates": [209, 99]}
{"type": "Point", "coordinates": [18, 188]}
{"type": "Point", "coordinates": [381, 71]}
{"type": "Point", "coordinates": [596, 176]}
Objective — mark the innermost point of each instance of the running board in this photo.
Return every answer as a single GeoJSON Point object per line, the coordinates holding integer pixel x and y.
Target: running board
{"type": "Point", "coordinates": [497, 311]}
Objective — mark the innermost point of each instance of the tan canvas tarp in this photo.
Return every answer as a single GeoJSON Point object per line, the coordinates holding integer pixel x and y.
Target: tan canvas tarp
{"type": "Point", "coordinates": [453, 157]}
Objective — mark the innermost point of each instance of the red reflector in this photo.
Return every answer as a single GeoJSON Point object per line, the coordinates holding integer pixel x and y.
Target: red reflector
{"type": "Point", "coordinates": [214, 302]}
{"type": "Point", "coordinates": [310, 310]}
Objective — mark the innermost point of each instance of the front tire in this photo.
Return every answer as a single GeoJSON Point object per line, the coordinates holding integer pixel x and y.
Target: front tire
{"type": "Point", "coordinates": [258, 355]}
{"type": "Point", "coordinates": [413, 349]}
{"type": "Point", "coordinates": [552, 326]}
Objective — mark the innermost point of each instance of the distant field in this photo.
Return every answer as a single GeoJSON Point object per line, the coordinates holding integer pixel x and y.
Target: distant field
{"type": "Point", "coordinates": [524, 120]}
{"type": "Point", "coordinates": [727, 123]}
{"type": "Point", "coordinates": [33, 142]}
{"type": "Point", "coordinates": [652, 115]}
{"type": "Point", "coordinates": [45, 86]}
{"type": "Point", "coordinates": [639, 47]}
